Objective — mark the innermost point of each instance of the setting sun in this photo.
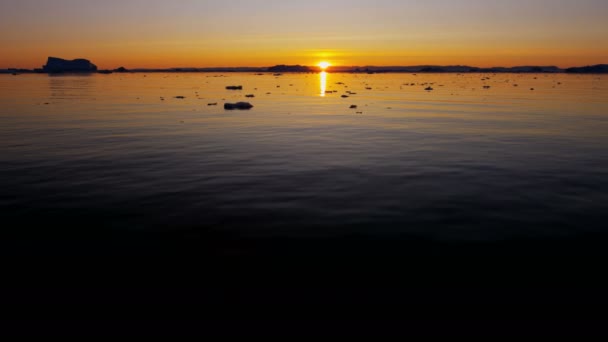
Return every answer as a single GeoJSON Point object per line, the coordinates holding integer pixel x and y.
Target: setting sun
{"type": "Point", "coordinates": [324, 65]}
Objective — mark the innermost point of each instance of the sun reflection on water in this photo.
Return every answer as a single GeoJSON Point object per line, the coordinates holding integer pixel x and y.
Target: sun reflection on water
{"type": "Point", "coordinates": [323, 77]}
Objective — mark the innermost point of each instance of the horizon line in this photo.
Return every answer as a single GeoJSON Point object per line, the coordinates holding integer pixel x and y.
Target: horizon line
{"type": "Point", "coordinates": [336, 67]}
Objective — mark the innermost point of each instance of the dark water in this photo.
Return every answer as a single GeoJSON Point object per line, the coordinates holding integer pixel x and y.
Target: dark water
{"type": "Point", "coordinates": [104, 155]}
{"type": "Point", "coordinates": [115, 191]}
{"type": "Point", "coordinates": [456, 204]}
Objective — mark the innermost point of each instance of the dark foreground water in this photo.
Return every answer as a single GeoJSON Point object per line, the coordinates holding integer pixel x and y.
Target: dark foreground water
{"type": "Point", "coordinates": [116, 165]}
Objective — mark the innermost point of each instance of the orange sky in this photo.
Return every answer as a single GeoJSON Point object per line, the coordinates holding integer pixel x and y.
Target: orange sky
{"type": "Point", "coordinates": [154, 33]}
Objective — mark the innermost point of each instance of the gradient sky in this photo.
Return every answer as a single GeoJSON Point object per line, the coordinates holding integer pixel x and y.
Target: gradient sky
{"type": "Point", "coordinates": [207, 33]}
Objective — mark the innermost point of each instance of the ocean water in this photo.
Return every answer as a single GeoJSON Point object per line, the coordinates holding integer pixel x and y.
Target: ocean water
{"type": "Point", "coordinates": [85, 157]}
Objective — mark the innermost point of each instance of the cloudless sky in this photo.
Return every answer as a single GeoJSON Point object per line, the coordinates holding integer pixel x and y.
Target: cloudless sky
{"type": "Point", "coordinates": [206, 33]}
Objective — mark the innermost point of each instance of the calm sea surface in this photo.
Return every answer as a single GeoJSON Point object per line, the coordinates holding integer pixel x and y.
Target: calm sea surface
{"type": "Point", "coordinates": [120, 152]}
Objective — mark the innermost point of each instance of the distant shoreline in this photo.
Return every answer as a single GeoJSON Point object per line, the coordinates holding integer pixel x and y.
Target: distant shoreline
{"type": "Point", "coordinates": [279, 69]}
{"type": "Point", "coordinates": [595, 69]}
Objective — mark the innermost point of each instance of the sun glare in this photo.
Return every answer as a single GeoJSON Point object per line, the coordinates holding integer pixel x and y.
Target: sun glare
{"type": "Point", "coordinates": [324, 65]}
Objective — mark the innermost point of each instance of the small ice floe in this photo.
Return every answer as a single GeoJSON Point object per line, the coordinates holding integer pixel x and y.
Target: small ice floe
{"type": "Point", "coordinates": [238, 105]}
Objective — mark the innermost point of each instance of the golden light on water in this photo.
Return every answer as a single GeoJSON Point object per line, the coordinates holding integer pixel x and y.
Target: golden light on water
{"type": "Point", "coordinates": [323, 80]}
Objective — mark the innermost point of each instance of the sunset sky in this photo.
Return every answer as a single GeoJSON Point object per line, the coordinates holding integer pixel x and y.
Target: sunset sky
{"type": "Point", "coordinates": [208, 33]}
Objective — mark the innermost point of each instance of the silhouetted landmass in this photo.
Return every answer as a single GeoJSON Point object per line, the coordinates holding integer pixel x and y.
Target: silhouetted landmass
{"type": "Point", "coordinates": [593, 69]}
{"type": "Point", "coordinates": [119, 70]}
{"type": "Point", "coordinates": [58, 65]}
{"type": "Point", "coordinates": [369, 69]}
{"type": "Point", "coordinates": [14, 71]}
{"type": "Point", "coordinates": [449, 69]}
{"type": "Point", "coordinates": [219, 69]}
{"type": "Point", "coordinates": [289, 68]}
{"type": "Point", "coordinates": [532, 69]}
